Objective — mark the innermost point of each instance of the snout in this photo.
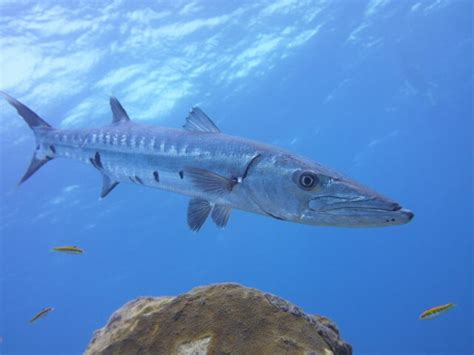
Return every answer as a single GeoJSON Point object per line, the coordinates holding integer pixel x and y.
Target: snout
{"type": "Point", "coordinates": [329, 203]}
{"type": "Point", "coordinates": [373, 211]}
{"type": "Point", "coordinates": [407, 214]}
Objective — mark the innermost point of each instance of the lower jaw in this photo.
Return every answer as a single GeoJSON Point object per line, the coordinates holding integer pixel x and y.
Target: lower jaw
{"type": "Point", "coordinates": [354, 225]}
{"type": "Point", "coordinates": [350, 220]}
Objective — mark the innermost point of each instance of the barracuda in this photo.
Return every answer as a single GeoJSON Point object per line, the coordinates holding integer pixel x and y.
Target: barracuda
{"type": "Point", "coordinates": [218, 171]}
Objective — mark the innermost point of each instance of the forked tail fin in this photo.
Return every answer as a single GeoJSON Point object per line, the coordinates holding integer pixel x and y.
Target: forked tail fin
{"type": "Point", "coordinates": [42, 153]}
{"type": "Point", "coordinates": [30, 117]}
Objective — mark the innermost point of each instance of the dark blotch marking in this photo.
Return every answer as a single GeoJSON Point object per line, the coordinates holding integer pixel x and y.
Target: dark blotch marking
{"type": "Point", "coordinates": [181, 174]}
{"type": "Point", "coordinates": [156, 176]}
{"type": "Point", "coordinates": [131, 179]}
{"type": "Point", "coordinates": [53, 148]}
{"type": "Point", "coordinates": [138, 180]}
{"type": "Point", "coordinates": [98, 162]}
{"type": "Point", "coordinates": [393, 219]}
{"type": "Point", "coordinates": [38, 147]}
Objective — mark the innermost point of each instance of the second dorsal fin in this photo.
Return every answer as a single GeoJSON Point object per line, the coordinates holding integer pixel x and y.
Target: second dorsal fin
{"type": "Point", "coordinates": [118, 112]}
{"type": "Point", "coordinates": [197, 120]}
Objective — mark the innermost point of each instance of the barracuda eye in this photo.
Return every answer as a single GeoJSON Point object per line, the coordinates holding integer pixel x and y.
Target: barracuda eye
{"type": "Point", "coordinates": [307, 180]}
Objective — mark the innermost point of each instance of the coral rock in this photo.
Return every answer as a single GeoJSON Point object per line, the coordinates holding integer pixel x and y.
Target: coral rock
{"type": "Point", "coordinates": [216, 319]}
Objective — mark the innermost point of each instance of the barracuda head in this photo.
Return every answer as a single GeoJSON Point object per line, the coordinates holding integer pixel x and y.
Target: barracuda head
{"type": "Point", "coordinates": [290, 188]}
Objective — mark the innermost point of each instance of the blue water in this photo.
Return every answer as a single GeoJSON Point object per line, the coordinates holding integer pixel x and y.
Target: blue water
{"type": "Point", "coordinates": [381, 91]}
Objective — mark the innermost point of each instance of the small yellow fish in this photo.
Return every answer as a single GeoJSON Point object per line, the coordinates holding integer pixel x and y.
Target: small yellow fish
{"type": "Point", "coordinates": [69, 249]}
{"type": "Point", "coordinates": [436, 311]}
{"type": "Point", "coordinates": [42, 313]}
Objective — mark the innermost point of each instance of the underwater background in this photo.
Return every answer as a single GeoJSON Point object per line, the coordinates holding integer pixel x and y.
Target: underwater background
{"type": "Point", "coordinates": [380, 90]}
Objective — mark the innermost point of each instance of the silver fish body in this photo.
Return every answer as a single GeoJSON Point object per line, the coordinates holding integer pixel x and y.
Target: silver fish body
{"type": "Point", "coordinates": [158, 157]}
{"type": "Point", "coordinates": [218, 171]}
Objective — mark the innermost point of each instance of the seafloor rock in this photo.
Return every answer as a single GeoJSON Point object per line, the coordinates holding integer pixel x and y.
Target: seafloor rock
{"type": "Point", "coordinates": [216, 319]}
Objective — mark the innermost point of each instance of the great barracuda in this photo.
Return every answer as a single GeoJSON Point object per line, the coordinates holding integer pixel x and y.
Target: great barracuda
{"type": "Point", "coordinates": [218, 171]}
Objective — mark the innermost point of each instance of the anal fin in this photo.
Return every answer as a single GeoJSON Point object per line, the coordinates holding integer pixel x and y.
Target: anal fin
{"type": "Point", "coordinates": [220, 215]}
{"type": "Point", "coordinates": [107, 185]}
{"type": "Point", "coordinates": [198, 211]}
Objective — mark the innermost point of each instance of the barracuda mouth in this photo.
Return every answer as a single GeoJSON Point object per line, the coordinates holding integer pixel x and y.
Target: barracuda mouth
{"type": "Point", "coordinates": [329, 203]}
{"type": "Point", "coordinates": [359, 211]}
{"type": "Point", "coordinates": [356, 208]}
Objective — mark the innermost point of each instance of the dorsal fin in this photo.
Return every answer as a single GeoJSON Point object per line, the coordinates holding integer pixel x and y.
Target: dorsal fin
{"type": "Point", "coordinates": [199, 121]}
{"type": "Point", "coordinates": [118, 112]}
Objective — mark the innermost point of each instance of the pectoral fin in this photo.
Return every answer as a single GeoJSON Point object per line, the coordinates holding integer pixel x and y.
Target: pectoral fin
{"type": "Point", "coordinates": [198, 211]}
{"type": "Point", "coordinates": [220, 215]}
{"type": "Point", "coordinates": [210, 182]}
